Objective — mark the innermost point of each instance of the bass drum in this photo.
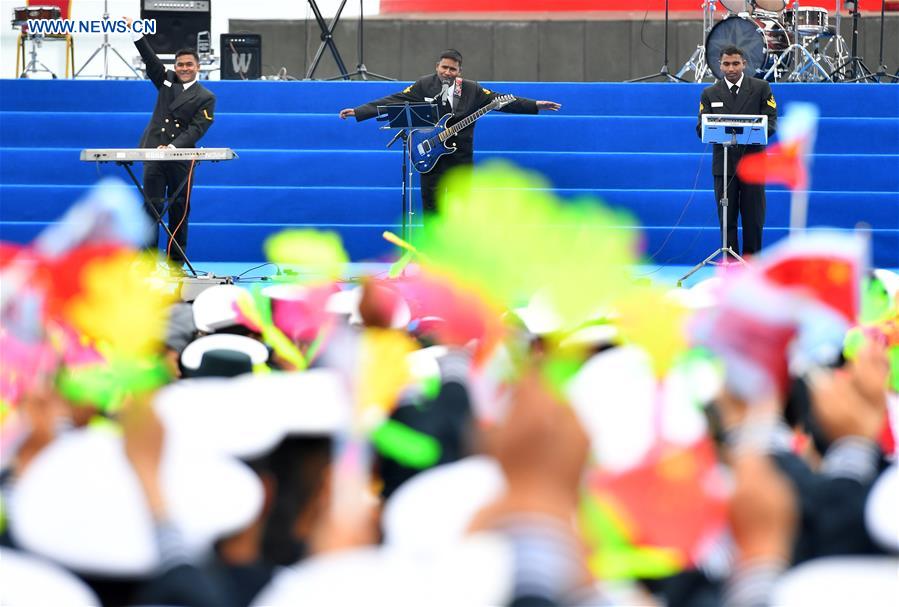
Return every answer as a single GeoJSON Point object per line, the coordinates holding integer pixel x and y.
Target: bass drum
{"type": "Point", "coordinates": [762, 39]}
{"type": "Point", "coordinates": [775, 6]}
{"type": "Point", "coordinates": [747, 6]}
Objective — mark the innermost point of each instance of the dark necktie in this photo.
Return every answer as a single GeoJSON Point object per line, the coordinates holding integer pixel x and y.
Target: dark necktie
{"type": "Point", "coordinates": [734, 90]}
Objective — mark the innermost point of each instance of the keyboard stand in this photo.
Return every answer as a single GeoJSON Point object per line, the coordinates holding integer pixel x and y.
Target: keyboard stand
{"type": "Point", "coordinates": [156, 214]}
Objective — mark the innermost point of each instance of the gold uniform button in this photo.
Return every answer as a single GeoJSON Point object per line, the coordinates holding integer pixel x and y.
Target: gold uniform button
{"type": "Point", "coordinates": [163, 129]}
{"type": "Point", "coordinates": [166, 120]}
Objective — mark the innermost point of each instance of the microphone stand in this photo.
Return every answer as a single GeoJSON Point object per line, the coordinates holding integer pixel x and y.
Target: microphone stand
{"type": "Point", "coordinates": [361, 70]}
{"type": "Point", "coordinates": [860, 71]}
{"type": "Point", "coordinates": [663, 72]}
{"type": "Point", "coordinates": [105, 47]}
{"type": "Point", "coordinates": [882, 67]}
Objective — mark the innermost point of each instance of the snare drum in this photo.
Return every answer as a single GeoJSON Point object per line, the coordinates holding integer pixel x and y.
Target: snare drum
{"type": "Point", "coordinates": [22, 14]}
{"type": "Point", "coordinates": [761, 38]}
{"type": "Point", "coordinates": [811, 20]}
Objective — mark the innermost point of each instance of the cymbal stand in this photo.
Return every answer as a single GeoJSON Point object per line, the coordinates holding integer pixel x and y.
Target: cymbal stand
{"type": "Point", "coordinates": [697, 63]}
{"type": "Point", "coordinates": [361, 70]}
{"type": "Point", "coordinates": [840, 48]}
{"type": "Point", "coordinates": [35, 65]}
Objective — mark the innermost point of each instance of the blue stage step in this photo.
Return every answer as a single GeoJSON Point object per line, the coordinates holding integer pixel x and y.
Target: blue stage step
{"type": "Point", "coordinates": [382, 168]}
{"type": "Point", "coordinates": [501, 132]}
{"type": "Point", "coordinates": [577, 98]}
{"type": "Point", "coordinates": [343, 206]}
{"type": "Point", "coordinates": [632, 145]}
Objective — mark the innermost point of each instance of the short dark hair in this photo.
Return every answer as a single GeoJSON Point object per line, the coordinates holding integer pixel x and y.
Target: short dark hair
{"type": "Point", "coordinates": [451, 53]}
{"type": "Point", "coordinates": [731, 50]}
{"type": "Point", "coordinates": [188, 51]}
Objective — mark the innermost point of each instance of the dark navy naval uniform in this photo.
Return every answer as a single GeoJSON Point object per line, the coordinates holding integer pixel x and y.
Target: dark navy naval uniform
{"type": "Point", "coordinates": [181, 117]}
{"type": "Point", "coordinates": [744, 199]}
{"type": "Point", "coordinates": [467, 97]}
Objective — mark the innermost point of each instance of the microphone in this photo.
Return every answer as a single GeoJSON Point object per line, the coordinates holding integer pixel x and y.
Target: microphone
{"type": "Point", "coordinates": [445, 91]}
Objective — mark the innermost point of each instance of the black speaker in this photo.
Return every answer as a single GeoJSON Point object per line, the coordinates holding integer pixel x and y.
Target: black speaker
{"type": "Point", "coordinates": [177, 23]}
{"type": "Point", "coordinates": [241, 56]}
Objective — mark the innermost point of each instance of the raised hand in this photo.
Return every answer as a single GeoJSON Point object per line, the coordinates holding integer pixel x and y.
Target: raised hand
{"type": "Point", "coordinates": [143, 433]}
{"type": "Point", "coordinates": [542, 449]}
{"type": "Point", "coordinates": [762, 509]}
{"type": "Point", "coordinates": [852, 401]}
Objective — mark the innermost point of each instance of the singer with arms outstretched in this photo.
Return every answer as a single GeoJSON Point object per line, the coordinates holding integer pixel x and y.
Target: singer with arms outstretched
{"type": "Point", "coordinates": [453, 95]}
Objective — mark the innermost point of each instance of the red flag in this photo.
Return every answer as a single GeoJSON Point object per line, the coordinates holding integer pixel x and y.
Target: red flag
{"type": "Point", "coordinates": [824, 267]}
{"type": "Point", "coordinates": [687, 504]}
{"type": "Point", "coordinates": [781, 163]}
{"type": "Point", "coordinates": [830, 280]}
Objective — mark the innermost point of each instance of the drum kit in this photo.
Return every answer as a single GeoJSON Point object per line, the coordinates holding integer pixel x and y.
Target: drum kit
{"type": "Point", "coordinates": [782, 41]}
{"type": "Point", "coordinates": [21, 15]}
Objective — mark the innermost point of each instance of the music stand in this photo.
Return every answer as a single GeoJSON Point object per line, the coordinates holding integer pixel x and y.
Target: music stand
{"type": "Point", "coordinates": [405, 118]}
{"type": "Point", "coordinates": [728, 130]}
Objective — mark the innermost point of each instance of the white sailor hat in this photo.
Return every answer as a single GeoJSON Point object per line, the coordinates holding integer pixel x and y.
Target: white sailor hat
{"type": "Point", "coordinates": [889, 280]}
{"type": "Point", "coordinates": [477, 570]}
{"type": "Point", "coordinates": [79, 503]}
{"type": "Point", "coordinates": [197, 358]}
{"type": "Point", "coordinates": [247, 416]}
{"type": "Point", "coordinates": [840, 580]}
{"type": "Point", "coordinates": [616, 398]}
{"type": "Point", "coordinates": [434, 509]}
{"type": "Point", "coordinates": [704, 294]}
{"type": "Point", "coordinates": [881, 508]}
{"type": "Point", "coordinates": [216, 307]}
{"type": "Point", "coordinates": [28, 580]}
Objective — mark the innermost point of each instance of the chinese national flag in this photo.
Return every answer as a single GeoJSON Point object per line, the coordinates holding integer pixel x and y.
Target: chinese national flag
{"type": "Point", "coordinates": [687, 503]}
{"type": "Point", "coordinates": [781, 163]}
{"type": "Point", "coordinates": [831, 279]}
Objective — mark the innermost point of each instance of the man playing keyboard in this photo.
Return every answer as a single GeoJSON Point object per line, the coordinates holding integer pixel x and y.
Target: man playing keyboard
{"type": "Point", "coordinates": [183, 113]}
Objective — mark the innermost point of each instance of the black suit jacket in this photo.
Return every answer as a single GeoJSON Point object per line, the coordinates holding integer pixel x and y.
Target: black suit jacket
{"type": "Point", "coordinates": [754, 97]}
{"type": "Point", "coordinates": [429, 88]}
{"type": "Point", "coordinates": [180, 117]}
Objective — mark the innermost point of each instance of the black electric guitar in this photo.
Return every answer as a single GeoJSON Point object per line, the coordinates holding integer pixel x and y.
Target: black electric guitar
{"type": "Point", "coordinates": [428, 145]}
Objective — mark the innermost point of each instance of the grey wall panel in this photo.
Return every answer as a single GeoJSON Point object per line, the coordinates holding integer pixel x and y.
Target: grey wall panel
{"type": "Point", "coordinates": [383, 44]}
{"type": "Point", "coordinates": [606, 45]}
{"type": "Point", "coordinates": [891, 43]}
{"type": "Point", "coordinates": [561, 51]}
{"type": "Point", "coordinates": [422, 42]}
{"type": "Point", "coordinates": [646, 47]}
{"type": "Point", "coordinates": [516, 50]}
{"type": "Point", "coordinates": [869, 32]}
{"type": "Point", "coordinates": [475, 41]}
